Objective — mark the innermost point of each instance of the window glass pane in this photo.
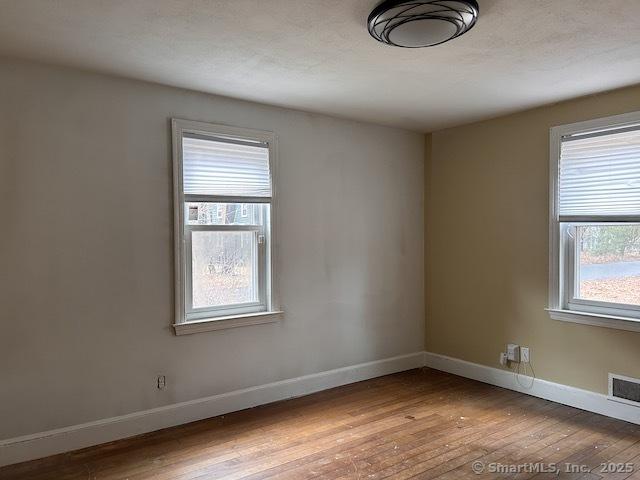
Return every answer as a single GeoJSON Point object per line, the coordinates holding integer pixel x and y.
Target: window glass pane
{"type": "Point", "coordinates": [223, 268]}
{"type": "Point", "coordinates": [224, 213]}
{"type": "Point", "coordinates": [609, 263]}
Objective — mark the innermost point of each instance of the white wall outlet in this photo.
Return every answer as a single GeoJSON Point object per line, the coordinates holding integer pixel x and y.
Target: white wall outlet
{"type": "Point", "coordinates": [524, 354]}
{"type": "Point", "coordinates": [513, 352]}
{"type": "Point", "coordinates": [503, 359]}
{"type": "Point", "coordinates": [162, 382]}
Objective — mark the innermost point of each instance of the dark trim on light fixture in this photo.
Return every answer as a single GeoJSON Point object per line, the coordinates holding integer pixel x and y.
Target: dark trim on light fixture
{"type": "Point", "coordinates": [392, 14]}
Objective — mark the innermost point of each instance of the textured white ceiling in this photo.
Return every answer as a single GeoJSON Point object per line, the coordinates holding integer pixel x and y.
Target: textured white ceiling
{"type": "Point", "coordinates": [317, 55]}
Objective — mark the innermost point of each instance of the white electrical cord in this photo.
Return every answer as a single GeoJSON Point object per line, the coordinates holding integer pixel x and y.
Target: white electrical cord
{"type": "Point", "coordinates": [517, 374]}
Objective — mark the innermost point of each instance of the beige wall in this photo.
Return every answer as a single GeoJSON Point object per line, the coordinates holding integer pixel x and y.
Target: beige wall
{"type": "Point", "coordinates": [487, 247]}
{"type": "Point", "coordinates": [86, 281]}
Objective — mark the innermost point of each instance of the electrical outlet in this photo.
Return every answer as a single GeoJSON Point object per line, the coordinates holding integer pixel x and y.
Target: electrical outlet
{"type": "Point", "coordinates": [503, 359]}
{"type": "Point", "coordinates": [524, 354]}
{"type": "Point", "coordinates": [513, 352]}
{"type": "Point", "coordinates": [162, 382]}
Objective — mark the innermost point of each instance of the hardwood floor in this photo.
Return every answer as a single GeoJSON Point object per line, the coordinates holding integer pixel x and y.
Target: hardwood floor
{"type": "Point", "coordinates": [418, 424]}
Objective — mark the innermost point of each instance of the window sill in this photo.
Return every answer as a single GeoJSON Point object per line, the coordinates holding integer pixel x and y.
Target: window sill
{"type": "Point", "coordinates": [598, 320]}
{"type": "Point", "coordinates": [222, 323]}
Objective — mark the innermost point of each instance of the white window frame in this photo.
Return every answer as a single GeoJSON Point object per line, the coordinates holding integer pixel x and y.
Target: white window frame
{"type": "Point", "coordinates": [562, 243]}
{"type": "Point", "coordinates": [266, 310]}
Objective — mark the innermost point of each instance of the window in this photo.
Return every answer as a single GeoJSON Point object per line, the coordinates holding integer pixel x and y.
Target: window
{"type": "Point", "coordinates": [224, 210]}
{"type": "Point", "coordinates": [595, 222]}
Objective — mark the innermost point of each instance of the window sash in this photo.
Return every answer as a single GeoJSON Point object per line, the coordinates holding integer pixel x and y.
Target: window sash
{"type": "Point", "coordinates": [599, 219]}
{"type": "Point", "coordinates": [570, 274]}
{"type": "Point", "coordinates": [224, 199]}
{"type": "Point", "coordinates": [193, 313]}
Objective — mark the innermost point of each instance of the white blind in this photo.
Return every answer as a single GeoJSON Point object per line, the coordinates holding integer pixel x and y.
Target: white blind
{"type": "Point", "coordinates": [226, 167]}
{"type": "Point", "coordinates": [600, 174]}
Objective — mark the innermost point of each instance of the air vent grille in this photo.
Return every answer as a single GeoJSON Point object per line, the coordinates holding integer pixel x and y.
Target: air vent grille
{"type": "Point", "coordinates": [624, 389]}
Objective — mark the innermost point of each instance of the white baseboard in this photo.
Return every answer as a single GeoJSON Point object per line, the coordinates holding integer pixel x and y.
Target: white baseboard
{"type": "Point", "coordinates": [61, 440]}
{"type": "Point", "coordinates": [556, 392]}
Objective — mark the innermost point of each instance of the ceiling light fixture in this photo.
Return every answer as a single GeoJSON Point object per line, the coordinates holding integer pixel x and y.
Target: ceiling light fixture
{"type": "Point", "coordinates": [415, 24]}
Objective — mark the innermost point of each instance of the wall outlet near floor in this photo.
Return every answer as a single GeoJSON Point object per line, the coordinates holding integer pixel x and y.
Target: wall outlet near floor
{"type": "Point", "coordinates": [513, 352]}
{"type": "Point", "coordinates": [516, 354]}
{"type": "Point", "coordinates": [162, 382]}
{"type": "Point", "coordinates": [503, 359]}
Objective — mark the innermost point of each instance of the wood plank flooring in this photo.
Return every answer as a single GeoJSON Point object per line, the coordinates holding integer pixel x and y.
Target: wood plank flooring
{"type": "Point", "coordinates": [420, 424]}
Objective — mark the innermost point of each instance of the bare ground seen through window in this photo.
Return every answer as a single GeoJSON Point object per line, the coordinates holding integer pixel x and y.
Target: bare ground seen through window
{"type": "Point", "coordinates": [609, 263]}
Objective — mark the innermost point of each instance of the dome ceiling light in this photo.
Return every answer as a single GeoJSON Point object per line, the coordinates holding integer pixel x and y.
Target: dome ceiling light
{"type": "Point", "coordinates": [416, 24]}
